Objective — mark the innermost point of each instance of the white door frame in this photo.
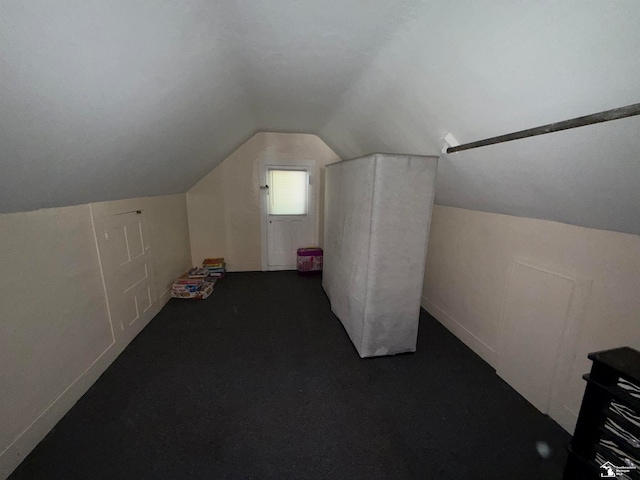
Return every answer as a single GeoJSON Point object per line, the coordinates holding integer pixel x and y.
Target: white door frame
{"type": "Point", "coordinates": [310, 166]}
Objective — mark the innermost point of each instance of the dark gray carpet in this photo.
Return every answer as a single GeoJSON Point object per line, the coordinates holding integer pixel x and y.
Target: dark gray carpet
{"type": "Point", "coordinates": [261, 381]}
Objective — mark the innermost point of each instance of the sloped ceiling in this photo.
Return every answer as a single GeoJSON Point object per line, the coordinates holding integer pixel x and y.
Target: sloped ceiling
{"type": "Point", "coordinates": [113, 99]}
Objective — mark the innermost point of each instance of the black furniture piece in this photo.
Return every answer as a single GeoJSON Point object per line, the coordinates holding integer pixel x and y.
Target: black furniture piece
{"type": "Point", "coordinates": [606, 442]}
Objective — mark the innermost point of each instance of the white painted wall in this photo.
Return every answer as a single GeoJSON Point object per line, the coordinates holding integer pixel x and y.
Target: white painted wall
{"type": "Point", "coordinates": [486, 68]}
{"type": "Point", "coordinates": [115, 100]}
{"type": "Point", "coordinates": [55, 334]}
{"type": "Point", "coordinates": [224, 207]}
{"type": "Point", "coordinates": [118, 99]}
{"type": "Point", "coordinates": [467, 274]}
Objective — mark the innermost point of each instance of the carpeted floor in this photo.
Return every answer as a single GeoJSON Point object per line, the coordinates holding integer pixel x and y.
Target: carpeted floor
{"type": "Point", "coordinates": [260, 381]}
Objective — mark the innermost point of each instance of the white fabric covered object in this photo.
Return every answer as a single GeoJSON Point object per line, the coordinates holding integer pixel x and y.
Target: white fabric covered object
{"type": "Point", "coordinates": [377, 216]}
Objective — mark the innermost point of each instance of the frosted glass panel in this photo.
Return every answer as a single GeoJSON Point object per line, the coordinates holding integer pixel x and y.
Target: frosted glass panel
{"type": "Point", "coordinates": [288, 192]}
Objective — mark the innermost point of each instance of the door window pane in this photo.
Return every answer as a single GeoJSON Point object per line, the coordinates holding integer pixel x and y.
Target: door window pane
{"type": "Point", "coordinates": [288, 192]}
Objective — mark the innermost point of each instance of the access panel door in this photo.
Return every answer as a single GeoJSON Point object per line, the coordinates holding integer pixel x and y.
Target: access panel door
{"type": "Point", "coordinates": [125, 257]}
{"type": "Point", "coordinates": [534, 316]}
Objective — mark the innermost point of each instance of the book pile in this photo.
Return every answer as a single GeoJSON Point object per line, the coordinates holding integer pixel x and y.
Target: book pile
{"type": "Point", "coordinates": [215, 266]}
{"type": "Point", "coordinates": [199, 281]}
{"type": "Point", "coordinates": [198, 272]}
{"type": "Point", "coordinates": [197, 288]}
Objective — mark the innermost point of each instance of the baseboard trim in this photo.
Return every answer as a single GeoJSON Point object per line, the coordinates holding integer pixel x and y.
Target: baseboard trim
{"type": "Point", "coordinates": [164, 298]}
{"type": "Point", "coordinates": [565, 417]}
{"type": "Point", "coordinates": [33, 434]}
{"type": "Point", "coordinates": [27, 440]}
{"type": "Point", "coordinates": [485, 352]}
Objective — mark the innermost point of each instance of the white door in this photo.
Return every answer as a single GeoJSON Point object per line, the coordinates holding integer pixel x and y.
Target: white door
{"type": "Point", "coordinates": [287, 213]}
{"type": "Point", "coordinates": [125, 258]}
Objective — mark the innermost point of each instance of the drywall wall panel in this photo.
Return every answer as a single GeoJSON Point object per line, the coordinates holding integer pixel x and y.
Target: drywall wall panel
{"type": "Point", "coordinates": [56, 337]}
{"type": "Point", "coordinates": [224, 206]}
{"type": "Point", "coordinates": [53, 315]}
{"type": "Point", "coordinates": [207, 225]}
{"type": "Point", "coordinates": [466, 278]}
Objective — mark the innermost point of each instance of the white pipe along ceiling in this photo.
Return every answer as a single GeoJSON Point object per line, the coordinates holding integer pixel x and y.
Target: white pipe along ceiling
{"type": "Point", "coordinates": [114, 99]}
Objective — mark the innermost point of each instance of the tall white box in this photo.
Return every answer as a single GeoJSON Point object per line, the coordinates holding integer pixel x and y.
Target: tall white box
{"type": "Point", "coordinates": [376, 228]}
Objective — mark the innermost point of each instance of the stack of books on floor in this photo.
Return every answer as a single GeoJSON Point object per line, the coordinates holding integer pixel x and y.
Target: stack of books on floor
{"type": "Point", "coordinates": [198, 282]}
{"type": "Point", "coordinates": [215, 266]}
{"type": "Point", "coordinates": [195, 284]}
{"type": "Point", "coordinates": [198, 272]}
